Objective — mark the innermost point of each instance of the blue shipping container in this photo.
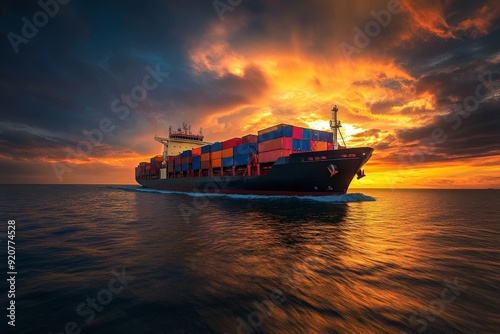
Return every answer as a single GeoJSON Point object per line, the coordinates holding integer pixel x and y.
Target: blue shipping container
{"type": "Point", "coordinates": [323, 136]}
{"type": "Point", "coordinates": [245, 149]}
{"type": "Point", "coordinates": [301, 145]}
{"type": "Point", "coordinates": [187, 153]}
{"type": "Point", "coordinates": [177, 168]}
{"type": "Point", "coordinates": [306, 145]}
{"type": "Point", "coordinates": [216, 147]}
{"type": "Point", "coordinates": [283, 131]}
{"type": "Point", "coordinates": [197, 162]}
{"type": "Point", "coordinates": [297, 144]}
{"type": "Point", "coordinates": [306, 134]}
{"type": "Point", "coordinates": [205, 149]}
{"type": "Point", "coordinates": [241, 160]}
{"type": "Point", "coordinates": [185, 167]}
{"type": "Point", "coordinates": [315, 134]}
{"type": "Point", "coordinates": [227, 162]}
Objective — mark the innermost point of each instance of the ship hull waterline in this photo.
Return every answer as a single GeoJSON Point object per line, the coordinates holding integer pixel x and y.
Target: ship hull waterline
{"type": "Point", "coordinates": [323, 173]}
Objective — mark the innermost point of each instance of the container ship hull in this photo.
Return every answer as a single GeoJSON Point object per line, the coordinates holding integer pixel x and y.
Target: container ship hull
{"type": "Point", "coordinates": [319, 173]}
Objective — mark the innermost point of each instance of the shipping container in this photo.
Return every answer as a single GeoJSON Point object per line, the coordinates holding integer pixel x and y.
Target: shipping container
{"type": "Point", "coordinates": [205, 164]}
{"type": "Point", "coordinates": [230, 143]}
{"type": "Point", "coordinates": [245, 149]}
{"type": "Point", "coordinates": [315, 135]}
{"type": "Point", "coordinates": [187, 153]}
{"type": "Point", "coordinates": [323, 136]}
{"type": "Point", "coordinates": [205, 157]}
{"type": "Point", "coordinates": [283, 131]}
{"type": "Point", "coordinates": [196, 151]}
{"type": "Point", "coordinates": [148, 167]}
{"type": "Point", "coordinates": [185, 167]}
{"type": "Point", "coordinates": [306, 134]}
{"type": "Point", "coordinates": [272, 156]}
{"type": "Point", "coordinates": [206, 149]}
{"type": "Point", "coordinates": [227, 153]}
{"type": "Point", "coordinates": [216, 146]}
{"type": "Point", "coordinates": [299, 145]}
{"type": "Point", "coordinates": [270, 129]}
{"type": "Point", "coordinates": [177, 168]}
{"type": "Point", "coordinates": [276, 144]}
{"type": "Point", "coordinates": [329, 146]}
{"type": "Point", "coordinates": [216, 155]}
{"type": "Point", "coordinates": [186, 160]}
{"type": "Point", "coordinates": [329, 137]}
{"type": "Point", "coordinates": [249, 139]}
{"type": "Point", "coordinates": [171, 158]}
{"type": "Point", "coordinates": [197, 162]}
{"type": "Point", "coordinates": [241, 160]}
{"type": "Point", "coordinates": [227, 162]}
{"type": "Point", "coordinates": [321, 146]}
{"type": "Point", "coordinates": [314, 144]}
{"type": "Point", "coordinates": [217, 163]}
{"type": "Point", "coordinates": [170, 167]}
{"type": "Point", "coordinates": [297, 132]}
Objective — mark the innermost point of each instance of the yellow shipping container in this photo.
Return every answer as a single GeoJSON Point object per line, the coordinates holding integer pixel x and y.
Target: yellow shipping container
{"type": "Point", "coordinates": [217, 155]}
{"type": "Point", "coordinates": [205, 157]}
{"type": "Point", "coordinates": [227, 153]}
{"type": "Point", "coordinates": [321, 146]}
{"type": "Point", "coordinates": [217, 163]}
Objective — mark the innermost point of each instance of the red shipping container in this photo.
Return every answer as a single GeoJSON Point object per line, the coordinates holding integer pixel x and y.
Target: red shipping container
{"type": "Point", "coordinates": [186, 160]}
{"type": "Point", "coordinates": [329, 146]}
{"type": "Point", "coordinates": [231, 143]}
{"type": "Point", "coordinates": [282, 143]}
{"type": "Point", "coordinates": [196, 151]}
{"type": "Point", "coordinates": [205, 164]}
{"type": "Point", "coordinates": [170, 168]}
{"type": "Point", "coordinates": [171, 158]}
{"type": "Point", "coordinates": [148, 167]}
{"type": "Point", "coordinates": [272, 156]}
{"type": "Point", "coordinates": [249, 139]}
{"type": "Point", "coordinates": [314, 144]}
{"type": "Point", "coordinates": [159, 158]}
{"type": "Point", "coordinates": [296, 132]}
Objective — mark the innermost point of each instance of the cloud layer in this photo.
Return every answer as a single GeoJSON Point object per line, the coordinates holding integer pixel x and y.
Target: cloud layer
{"type": "Point", "coordinates": [417, 80]}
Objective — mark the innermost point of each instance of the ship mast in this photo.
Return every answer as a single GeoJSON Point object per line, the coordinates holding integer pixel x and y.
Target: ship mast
{"type": "Point", "coordinates": [335, 126]}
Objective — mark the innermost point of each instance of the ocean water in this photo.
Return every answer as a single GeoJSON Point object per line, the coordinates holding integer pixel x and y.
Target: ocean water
{"type": "Point", "coordinates": [123, 259]}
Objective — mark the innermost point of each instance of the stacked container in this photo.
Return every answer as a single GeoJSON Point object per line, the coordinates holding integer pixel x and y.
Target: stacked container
{"type": "Point", "coordinates": [186, 160]}
{"type": "Point", "coordinates": [216, 157]}
{"type": "Point", "coordinates": [275, 142]}
{"type": "Point", "coordinates": [242, 154]}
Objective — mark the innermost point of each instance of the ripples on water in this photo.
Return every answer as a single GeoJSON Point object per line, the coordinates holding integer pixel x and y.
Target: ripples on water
{"type": "Point", "coordinates": [373, 262]}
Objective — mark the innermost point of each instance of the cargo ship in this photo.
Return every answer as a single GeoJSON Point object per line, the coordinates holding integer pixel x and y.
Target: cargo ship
{"type": "Point", "coordinates": [279, 160]}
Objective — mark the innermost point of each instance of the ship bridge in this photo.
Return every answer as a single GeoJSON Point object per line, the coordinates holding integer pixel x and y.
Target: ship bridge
{"type": "Point", "coordinates": [181, 140]}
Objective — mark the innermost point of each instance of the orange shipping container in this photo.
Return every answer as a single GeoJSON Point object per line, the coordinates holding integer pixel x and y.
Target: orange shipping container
{"type": "Point", "coordinates": [321, 146]}
{"type": "Point", "coordinates": [217, 155]}
{"type": "Point", "coordinates": [196, 151]}
{"type": "Point", "coordinates": [217, 163]}
{"type": "Point", "coordinates": [227, 153]}
{"type": "Point", "coordinates": [205, 157]}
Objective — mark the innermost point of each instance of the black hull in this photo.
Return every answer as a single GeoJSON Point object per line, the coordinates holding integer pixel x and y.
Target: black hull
{"type": "Point", "coordinates": [300, 174]}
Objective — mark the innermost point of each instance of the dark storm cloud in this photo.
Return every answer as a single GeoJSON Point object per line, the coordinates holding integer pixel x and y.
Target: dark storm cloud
{"type": "Point", "coordinates": [455, 136]}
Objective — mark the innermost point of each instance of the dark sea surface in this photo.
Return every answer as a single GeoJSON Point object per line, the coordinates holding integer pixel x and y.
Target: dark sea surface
{"type": "Point", "coordinates": [123, 259]}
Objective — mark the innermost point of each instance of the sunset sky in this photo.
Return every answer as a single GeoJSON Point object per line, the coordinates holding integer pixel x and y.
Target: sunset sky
{"type": "Point", "coordinates": [419, 81]}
